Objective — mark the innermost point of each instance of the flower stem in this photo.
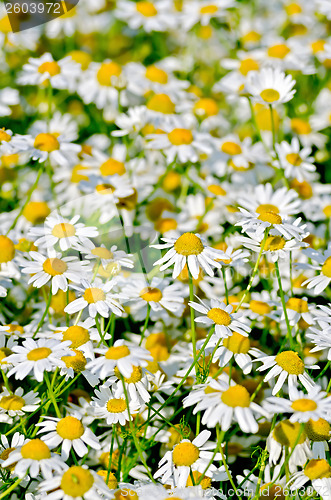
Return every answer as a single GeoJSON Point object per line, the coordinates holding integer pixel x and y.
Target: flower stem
{"type": "Point", "coordinates": [192, 315]}
{"type": "Point", "coordinates": [145, 324]}
{"type": "Point", "coordinates": [282, 298]}
{"type": "Point", "coordinates": [41, 322]}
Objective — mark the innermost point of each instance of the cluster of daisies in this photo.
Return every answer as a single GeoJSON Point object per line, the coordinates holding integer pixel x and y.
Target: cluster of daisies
{"type": "Point", "coordinates": [165, 252]}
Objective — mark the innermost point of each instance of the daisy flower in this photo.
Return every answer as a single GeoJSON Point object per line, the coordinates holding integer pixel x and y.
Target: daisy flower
{"type": "Point", "coordinates": [314, 405]}
{"type": "Point", "coordinates": [17, 403]}
{"type": "Point", "coordinates": [34, 457]}
{"type": "Point", "coordinates": [75, 363]}
{"type": "Point", "coordinates": [235, 346]}
{"type": "Point", "coordinates": [110, 258]}
{"type": "Point", "coordinates": [203, 11]}
{"type": "Point", "coordinates": [270, 86]}
{"type": "Point", "coordinates": [97, 297]}
{"type": "Point", "coordinates": [318, 471]}
{"type": "Point", "coordinates": [321, 338]}
{"type": "Point", "coordinates": [74, 483]}
{"type": "Point", "coordinates": [151, 16]}
{"type": "Point", "coordinates": [123, 356]}
{"type": "Point", "coordinates": [56, 268]}
{"type": "Point", "coordinates": [220, 315]}
{"type": "Point", "coordinates": [287, 366]}
{"type": "Point", "coordinates": [185, 457]}
{"type": "Point", "coordinates": [68, 233]}
{"type": "Point", "coordinates": [37, 356]}
{"type": "Point", "coordinates": [69, 432]}
{"type": "Point", "coordinates": [6, 447]}
{"type": "Point", "coordinates": [112, 406]}
{"type": "Point", "coordinates": [275, 247]}
{"type": "Point", "coordinates": [160, 295]}
{"type": "Point", "coordinates": [295, 161]}
{"type": "Point", "coordinates": [137, 384]}
{"type": "Point", "coordinates": [180, 143]}
{"type": "Point", "coordinates": [323, 266]}
{"type": "Point", "coordinates": [223, 404]}
{"type": "Point", "coordinates": [189, 249]}
{"type": "Point", "coordinates": [44, 70]}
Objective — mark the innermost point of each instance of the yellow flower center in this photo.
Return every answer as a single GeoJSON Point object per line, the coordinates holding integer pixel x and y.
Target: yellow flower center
{"type": "Point", "coordinates": [237, 343]}
{"type": "Point", "coordinates": [219, 316]}
{"type": "Point", "coordinates": [112, 481]}
{"type": "Point", "coordinates": [294, 159]}
{"type": "Point", "coordinates": [161, 103]}
{"type": "Point", "coordinates": [269, 491]}
{"type": "Point", "coordinates": [4, 136]}
{"type": "Point", "coordinates": [279, 51]}
{"type": "Point", "coordinates": [231, 148]}
{"type": "Point", "coordinates": [304, 405]}
{"type": "Point", "coordinates": [251, 37]}
{"type": "Point", "coordinates": [76, 362]}
{"type": "Point", "coordinates": [54, 266]}
{"type": "Point", "coordinates": [7, 249]}
{"type": "Point", "coordinates": [205, 482]}
{"type": "Point", "coordinates": [300, 127]}
{"type": "Point", "coordinates": [291, 362]}
{"type": "Point", "coordinates": [36, 211]}
{"type": "Point", "coordinates": [102, 252]}
{"type": "Point", "coordinates": [50, 67]}
{"type": "Point", "coordinates": [107, 72]}
{"type": "Point", "coordinates": [188, 244]}
{"type": "Point", "coordinates": [77, 334]}
{"type": "Point", "coordinates": [76, 481]}
{"type": "Point", "coordinates": [116, 405]}
{"type": "Point", "coordinates": [171, 181]}
{"type": "Point", "coordinates": [39, 353]}
{"type": "Point", "coordinates": [217, 190]}
{"type": "Point", "coordinates": [293, 8]}
{"type": "Point", "coordinates": [327, 211]}
{"type": "Point", "coordinates": [117, 352]}
{"type": "Point", "coordinates": [248, 65]}
{"type": "Point", "coordinates": [12, 402]}
{"type": "Point", "coordinates": [185, 454]}
{"type": "Point", "coordinates": [46, 142]}
{"type": "Point", "coordinates": [318, 46]}
{"type": "Point", "coordinates": [206, 107]}
{"type": "Point", "coordinates": [5, 454]}
{"type": "Point", "coordinates": [136, 375]}
{"type": "Point", "coordinates": [269, 213]}
{"type": "Point", "coordinates": [180, 136]}
{"type": "Point", "coordinates": [165, 225]}
{"type": "Point", "coordinates": [317, 469]}
{"type": "Point", "coordinates": [93, 294]}
{"type": "Point", "coordinates": [35, 449]}
{"type": "Point", "coordinates": [146, 9]}
{"type": "Point", "coordinates": [270, 95]}
{"type": "Point", "coordinates": [259, 307]}
{"type": "Point", "coordinates": [63, 230]}
{"type": "Point", "coordinates": [209, 9]}
{"type": "Point", "coordinates": [318, 430]}
{"type": "Point", "coordinates": [298, 305]}
{"type": "Point", "coordinates": [81, 57]}
{"type": "Point", "coordinates": [112, 167]}
{"type": "Point", "coordinates": [70, 428]}
{"type": "Point", "coordinates": [157, 75]}
{"type": "Point", "coordinates": [326, 268]}
{"type": "Point", "coordinates": [4, 352]}
{"type": "Point", "coordinates": [237, 395]}
{"type": "Point", "coordinates": [274, 243]}
{"type": "Point", "coordinates": [125, 494]}
{"type": "Point", "coordinates": [288, 434]}
{"type": "Point", "coordinates": [151, 294]}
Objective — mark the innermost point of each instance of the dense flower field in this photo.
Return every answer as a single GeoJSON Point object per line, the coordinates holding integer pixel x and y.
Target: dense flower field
{"type": "Point", "coordinates": [165, 254]}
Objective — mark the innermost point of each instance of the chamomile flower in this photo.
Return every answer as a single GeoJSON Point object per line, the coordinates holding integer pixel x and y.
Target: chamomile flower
{"type": "Point", "coordinates": [70, 433]}
{"type": "Point", "coordinates": [74, 483]}
{"type": "Point", "coordinates": [68, 233]}
{"type": "Point", "coordinates": [6, 446]}
{"type": "Point", "coordinates": [304, 407]}
{"type": "Point", "coordinates": [18, 403]}
{"type": "Point", "coordinates": [122, 356]}
{"type": "Point", "coordinates": [112, 406]}
{"type": "Point", "coordinates": [203, 11]}
{"type": "Point", "coordinates": [37, 357]}
{"type": "Point", "coordinates": [221, 315]}
{"type": "Point", "coordinates": [235, 346]}
{"type": "Point", "coordinates": [56, 268]}
{"type": "Point", "coordinates": [151, 16]}
{"type": "Point", "coordinates": [101, 84]}
{"type": "Point", "coordinates": [137, 385]}
{"type": "Point", "coordinates": [223, 403]}
{"type": "Point", "coordinates": [187, 456]}
{"type": "Point", "coordinates": [318, 471]}
{"type": "Point", "coordinates": [189, 249]}
{"type": "Point", "coordinates": [295, 161]}
{"type": "Point", "coordinates": [287, 366]}
{"type": "Point", "coordinates": [112, 257]}
{"type": "Point", "coordinates": [275, 247]}
{"type": "Point", "coordinates": [34, 457]}
{"type": "Point", "coordinates": [270, 86]}
{"type": "Point", "coordinates": [97, 297]}
{"type": "Point", "coordinates": [323, 266]}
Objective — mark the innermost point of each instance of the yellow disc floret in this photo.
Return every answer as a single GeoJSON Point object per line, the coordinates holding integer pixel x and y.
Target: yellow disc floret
{"type": "Point", "coordinates": [116, 405]}
{"type": "Point", "coordinates": [76, 481]}
{"type": "Point", "coordinates": [326, 268]}
{"type": "Point", "coordinates": [63, 230]}
{"type": "Point", "coordinates": [70, 428]}
{"type": "Point", "coordinates": [39, 353]}
{"type": "Point", "coordinates": [77, 362]}
{"type": "Point", "coordinates": [270, 95]}
{"type": "Point", "coordinates": [135, 377]}
{"type": "Point", "coordinates": [117, 352]}
{"type": "Point", "coordinates": [107, 72]}
{"type": "Point", "coordinates": [46, 142]}
{"type": "Point", "coordinates": [93, 295]}
{"type": "Point", "coordinates": [78, 336]}
{"type": "Point", "coordinates": [185, 454]}
{"type": "Point", "coordinates": [150, 294]}
{"type": "Point", "coordinates": [237, 343]}
{"type": "Point", "coordinates": [35, 449]}
{"type": "Point", "coordinates": [288, 433]}
{"type": "Point", "coordinates": [54, 266]}
{"type": "Point", "coordinates": [12, 402]}
{"type": "Point", "coordinates": [219, 316]}
{"type": "Point", "coordinates": [298, 305]}
{"type": "Point", "coordinates": [317, 469]}
{"type": "Point", "coordinates": [188, 244]}
{"type": "Point", "coordinates": [304, 404]}
{"type": "Point", "coordinates": [318, 430]}
{"type": "Point", "coordinates": [7, 249]}
{"type": "Point", "coordinates": [274, 243]}
{"type": "Point", "coordinates": [291, 362]}
{"type": "Point", "coordinates": [50, 67]}
{"type": "Point", "coordinates": [236, 395]}
{"type": "Point", "coordinates": [180, 137]}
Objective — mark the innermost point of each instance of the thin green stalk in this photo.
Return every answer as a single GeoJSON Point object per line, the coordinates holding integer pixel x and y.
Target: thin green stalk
{"type": "Point", "coordinates": [145, 324]}
{"type": "Point", "coordinates": [51, 396]}
{"type": "Point", "coordinates": [282, 297]}
{"type": "Point", "coordinates": [225, 286]}
{"type": "Point", "coordinates": [192, 315]}
{"type": "Point", "coordinates": [11, 488]}
{"type": "Point", "coordinates": [41, 322]}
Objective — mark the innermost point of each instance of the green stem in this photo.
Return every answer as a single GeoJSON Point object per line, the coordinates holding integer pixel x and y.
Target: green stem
{"type": "Point", "coordinates": [11, 488]}
{"type": "Point", "coordinates": [146, 323]}
{"type": "Point", "coordinates": [41, 322]}
{"type": "Point", "coordinates": [52, 397]}
{"type": "Point", "coordinates": [192, 315]}
{"type": "Point", "coordinates": [225, 286]}
{"type": "Point", "coordinates": [282, 297]}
